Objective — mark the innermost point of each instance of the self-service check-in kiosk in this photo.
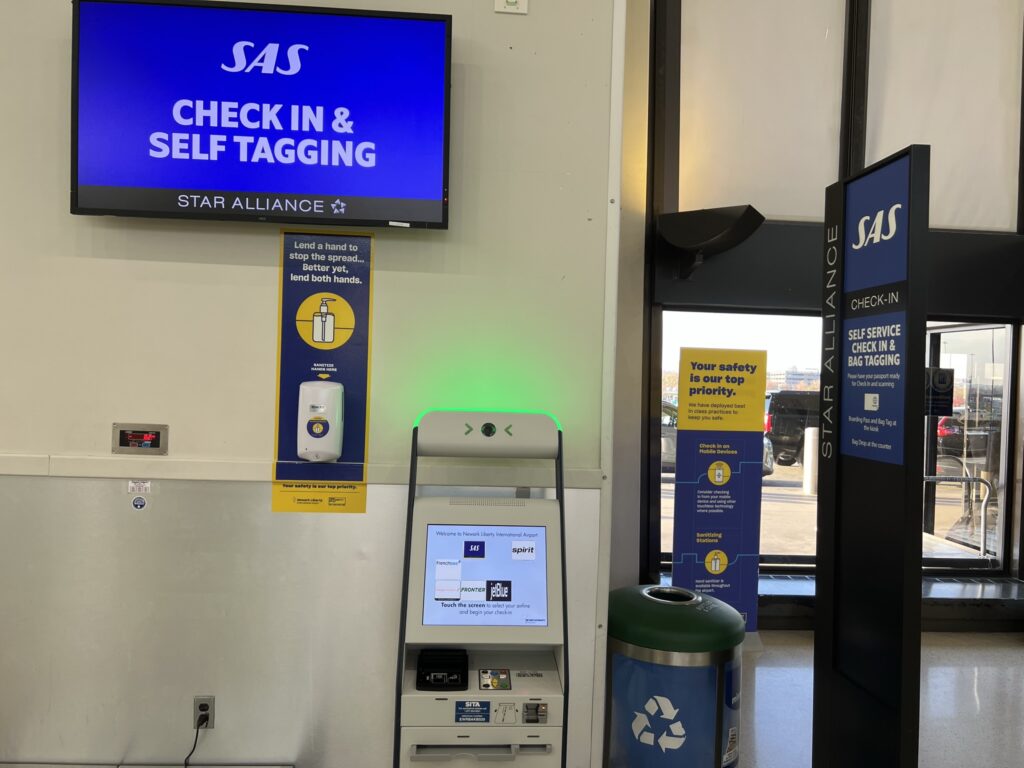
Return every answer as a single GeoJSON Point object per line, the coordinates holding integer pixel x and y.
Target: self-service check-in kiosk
{"type": "Point", "coordinates": [482, 671]}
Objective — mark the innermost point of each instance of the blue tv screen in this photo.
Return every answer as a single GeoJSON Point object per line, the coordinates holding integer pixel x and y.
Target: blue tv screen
{"type": "Point", "coordinates": [208, 110]}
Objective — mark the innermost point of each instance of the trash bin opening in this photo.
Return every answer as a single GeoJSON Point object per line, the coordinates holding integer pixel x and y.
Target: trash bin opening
{"type": "Point", "coordinates": [676, 595]}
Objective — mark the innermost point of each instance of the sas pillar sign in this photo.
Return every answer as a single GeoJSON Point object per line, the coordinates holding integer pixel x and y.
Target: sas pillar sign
{"type": "Point", "coordinates": [719, 454]}
{"type": "Point", "coordinates": [873, 393]}
{"type": "Point", "coordinates": [323, 373]}
{"type": "Point", "coordinates": [875, 315]}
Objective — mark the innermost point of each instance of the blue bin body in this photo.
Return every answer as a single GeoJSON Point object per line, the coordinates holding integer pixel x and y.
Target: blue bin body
{"type": "Point", "coordinates": [667, 715]}
{"type": "Point", "coordinates": [674, 674]}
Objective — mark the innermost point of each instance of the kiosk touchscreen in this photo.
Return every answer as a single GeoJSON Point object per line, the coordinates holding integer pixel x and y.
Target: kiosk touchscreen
{"type": "Point", "coordinates": [482, 668]}
{"type": "Point", "coordinates": [485, 575]}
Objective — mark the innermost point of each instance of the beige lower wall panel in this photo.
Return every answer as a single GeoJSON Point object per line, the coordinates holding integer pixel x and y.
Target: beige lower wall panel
{"type": "Point", "coordinates": [113, 619]}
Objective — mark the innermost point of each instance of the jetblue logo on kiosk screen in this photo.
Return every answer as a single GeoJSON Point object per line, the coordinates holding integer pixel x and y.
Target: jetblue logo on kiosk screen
{"type": "Point", "coordinates": [500, 591]}
{"type": "Point", "coordinates": [473, 548]}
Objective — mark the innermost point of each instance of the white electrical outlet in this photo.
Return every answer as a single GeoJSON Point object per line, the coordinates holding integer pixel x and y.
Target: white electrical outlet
{"type": "Point", "coordinates": [203, 705]}
{"type": "Point", "coordinates": [511, 6]}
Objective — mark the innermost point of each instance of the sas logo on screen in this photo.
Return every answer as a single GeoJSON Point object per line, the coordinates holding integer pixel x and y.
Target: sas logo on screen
{"type": "Point", "coordinates": [266, 60]}
{"type": "Point", "coordinates": [524, 550]}
{"type": "Point", "coordinates": [499, 591]}
{"type": "Point", "coordinates": [875, 234]}
{"type": "Point", "coordinates": [473, 548]}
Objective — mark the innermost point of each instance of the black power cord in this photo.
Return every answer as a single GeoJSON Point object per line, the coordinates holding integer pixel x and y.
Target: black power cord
{"type": "Point", "coordinates": [201, 721]}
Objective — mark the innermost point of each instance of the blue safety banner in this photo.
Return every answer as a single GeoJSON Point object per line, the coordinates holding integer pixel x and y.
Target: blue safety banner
{"type": "Point", "coordinates": [719, 458]}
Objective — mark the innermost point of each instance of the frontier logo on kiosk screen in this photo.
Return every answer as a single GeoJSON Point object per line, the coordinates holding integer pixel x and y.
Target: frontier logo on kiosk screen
{"type": "Point", "coordinates": [499, 591]}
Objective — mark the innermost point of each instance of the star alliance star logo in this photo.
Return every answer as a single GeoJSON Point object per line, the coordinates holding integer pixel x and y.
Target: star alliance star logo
{"type": "Point", "coordinates": [337, 207]}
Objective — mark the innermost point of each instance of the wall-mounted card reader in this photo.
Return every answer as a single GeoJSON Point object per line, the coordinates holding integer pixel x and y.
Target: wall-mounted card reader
{"type": "Point", "coordinates": [143, 439]}
{"type": "Point", "coordinates": [535, 712]}
{"type": "Point", "coordinates": [442, 669]}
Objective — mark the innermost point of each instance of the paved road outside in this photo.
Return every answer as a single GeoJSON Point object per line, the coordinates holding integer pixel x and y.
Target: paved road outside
{"type": "Point", "coordinates": [789, 518]}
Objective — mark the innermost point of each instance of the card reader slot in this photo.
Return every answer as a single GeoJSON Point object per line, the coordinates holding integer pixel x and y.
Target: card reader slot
{"type": "Point", "coordinates": [534, 749]}
{"type": "Point", "coordinates": [481, 752]}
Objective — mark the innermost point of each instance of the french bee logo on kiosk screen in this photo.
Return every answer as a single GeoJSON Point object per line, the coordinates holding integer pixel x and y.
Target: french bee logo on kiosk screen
{"type": "Point", "coordinates": [485, 576]}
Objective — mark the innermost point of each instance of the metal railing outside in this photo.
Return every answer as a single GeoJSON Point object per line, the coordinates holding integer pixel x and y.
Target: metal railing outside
{"type": "Point", "coordinates": [968, 481]}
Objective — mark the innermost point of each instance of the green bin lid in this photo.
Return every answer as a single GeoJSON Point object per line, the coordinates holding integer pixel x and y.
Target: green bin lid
{"type": "Point", "coordinates": [673, 619]}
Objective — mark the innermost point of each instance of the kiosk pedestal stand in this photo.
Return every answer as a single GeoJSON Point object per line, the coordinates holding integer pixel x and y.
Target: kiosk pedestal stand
{"type": "Point", "coordinates": [482, 667]}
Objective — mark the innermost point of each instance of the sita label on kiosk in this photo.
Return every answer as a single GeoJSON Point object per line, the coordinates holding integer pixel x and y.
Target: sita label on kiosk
{"type": "Point", "coordinates": [482, 669]}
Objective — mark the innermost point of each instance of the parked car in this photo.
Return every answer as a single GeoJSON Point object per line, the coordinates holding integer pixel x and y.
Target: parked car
{"type": "Point", "coordinates": [978, 429]}
{"type": "Point", "coordinates": [669, 426]}
{"type": "Point", "coordinates": [669, 420]}
{"type": "Point", "coordinates": [767, 457]}
{"type": "Point", "coordinates": [787, 413]}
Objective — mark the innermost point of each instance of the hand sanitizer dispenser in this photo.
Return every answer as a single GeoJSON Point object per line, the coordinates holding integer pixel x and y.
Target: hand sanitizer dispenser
{"type": "Point", "coordinates": [321, 423]}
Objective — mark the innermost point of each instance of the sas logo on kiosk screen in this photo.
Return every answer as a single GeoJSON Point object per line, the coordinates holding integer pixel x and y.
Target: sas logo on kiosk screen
{"type": "Point", "coordinates": [473, 548]}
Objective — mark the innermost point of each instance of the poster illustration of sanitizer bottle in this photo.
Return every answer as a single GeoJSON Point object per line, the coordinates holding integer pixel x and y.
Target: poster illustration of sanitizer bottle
{"type": "Point", "coordinates": [323, 373]}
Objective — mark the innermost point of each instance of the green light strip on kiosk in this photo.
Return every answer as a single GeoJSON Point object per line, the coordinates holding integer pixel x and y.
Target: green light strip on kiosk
{"type": "Point", "coordinates": [484, 410]}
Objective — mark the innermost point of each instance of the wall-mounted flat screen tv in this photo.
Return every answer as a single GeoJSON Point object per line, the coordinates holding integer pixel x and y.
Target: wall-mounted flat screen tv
{"type": "Point", "coordinates": [218, 110]}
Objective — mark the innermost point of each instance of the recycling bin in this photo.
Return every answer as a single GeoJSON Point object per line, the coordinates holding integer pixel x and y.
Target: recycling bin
{"type": "Point", "coordinates": [675, 679]}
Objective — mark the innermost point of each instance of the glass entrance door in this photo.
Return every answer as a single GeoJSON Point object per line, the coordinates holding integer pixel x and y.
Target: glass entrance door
{"type": "Point", "coordinates": [965, 454]}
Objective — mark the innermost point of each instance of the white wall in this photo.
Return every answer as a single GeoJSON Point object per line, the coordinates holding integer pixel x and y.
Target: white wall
{"type": "Point", "coordinates": [760, 91]}
{"type": "Point", "coordinates": [505, 308]}
{"type": "Point", "coordinates": [761, 86]}
{"type": "Point", "coordinates": [629, 393]}
{"type": "Point", "coordinates": [113, 620]}
{"type": "Point", "coordinates": [947, 73]}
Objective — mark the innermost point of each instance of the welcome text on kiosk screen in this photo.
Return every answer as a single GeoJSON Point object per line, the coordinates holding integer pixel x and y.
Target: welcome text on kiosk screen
{"type": "Point", "coordinates": [486, 575]}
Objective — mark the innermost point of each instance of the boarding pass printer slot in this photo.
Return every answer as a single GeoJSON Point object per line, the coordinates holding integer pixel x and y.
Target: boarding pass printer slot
{"type": "Point", "coordinates": [438, 753]}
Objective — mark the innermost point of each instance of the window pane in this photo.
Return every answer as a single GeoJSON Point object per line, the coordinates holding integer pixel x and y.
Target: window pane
{"type": "Point", "coordinates": [970, 452]}
{"type": "Point", "coordinates": [788, 515]}
{"type": "Point", "coordinates": [760, 92]}
{"type": "Point", "coordinates": [948, 74]}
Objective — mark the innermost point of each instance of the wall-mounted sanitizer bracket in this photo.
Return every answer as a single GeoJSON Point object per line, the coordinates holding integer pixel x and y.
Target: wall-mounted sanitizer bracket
{"type": "Point", "coordinates": [483, 652]}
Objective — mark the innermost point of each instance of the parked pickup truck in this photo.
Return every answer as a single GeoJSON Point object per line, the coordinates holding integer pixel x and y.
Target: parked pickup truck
{"type": "Point", "coordinates": [787, 413]}
{"type": "Point", "coordinates": [669, 424]}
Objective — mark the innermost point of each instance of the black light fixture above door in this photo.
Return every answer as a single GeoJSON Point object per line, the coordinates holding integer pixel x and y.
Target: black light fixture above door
{"type": "Point", "coordinates": [692, 236]}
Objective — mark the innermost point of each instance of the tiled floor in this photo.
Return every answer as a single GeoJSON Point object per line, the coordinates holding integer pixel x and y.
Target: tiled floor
{"type": "Point", "coordinates": [972, 701]}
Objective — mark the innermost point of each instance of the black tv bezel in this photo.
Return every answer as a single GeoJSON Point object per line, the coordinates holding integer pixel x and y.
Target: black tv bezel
{"type": "Point", "coordinates": [333, 222]}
